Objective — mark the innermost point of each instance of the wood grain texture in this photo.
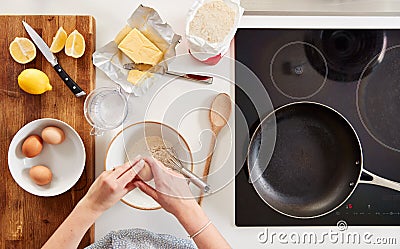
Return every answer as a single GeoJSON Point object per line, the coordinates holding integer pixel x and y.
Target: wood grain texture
{"type": "Point", "coordinates": [27, 221]}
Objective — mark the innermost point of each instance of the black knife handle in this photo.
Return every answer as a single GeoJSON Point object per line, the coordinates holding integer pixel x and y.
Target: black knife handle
{"type": "Point", "coordinates": [75, 89]}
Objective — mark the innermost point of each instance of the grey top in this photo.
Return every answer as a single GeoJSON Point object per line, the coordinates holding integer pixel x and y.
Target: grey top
{"type": "Point", "coordinates": [140, 238]}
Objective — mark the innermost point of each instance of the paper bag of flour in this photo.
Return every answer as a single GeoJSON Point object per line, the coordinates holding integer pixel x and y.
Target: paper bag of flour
{"type": "Point", "coordinates": [210, 28]}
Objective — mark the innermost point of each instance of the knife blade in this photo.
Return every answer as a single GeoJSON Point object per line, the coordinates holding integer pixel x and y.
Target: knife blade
{"type": "Point", "coordinates": [50, 57]}
{"type": "Point", "coordinates": [161, 70]}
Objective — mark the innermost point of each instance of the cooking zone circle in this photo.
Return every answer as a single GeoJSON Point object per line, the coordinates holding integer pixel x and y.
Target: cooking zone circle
{"type": "Point", "coordinates": [293, 75]}
{"type": "Point", "coordinates": [378, 100]}
{"type": "Point", "coordinates": [347, 52]}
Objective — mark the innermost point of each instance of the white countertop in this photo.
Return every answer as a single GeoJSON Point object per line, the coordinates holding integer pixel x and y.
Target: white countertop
{"type": "Point", "coordinates": [110, 18]}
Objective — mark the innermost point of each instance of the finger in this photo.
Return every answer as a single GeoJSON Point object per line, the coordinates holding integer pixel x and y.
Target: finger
{"type": "Point", "coordinates": [160, 171]}
{"type": "Point", "coordinates": [130, 186]}
{"type": "Point", "coordinates": [123, 168]}
{"type": "Point", "coordinates": [156, 166]}
{"type": "Point", "coordinates": [151, 161]}
{"type": "Point", "coordinates": [130, 174]}
{"type": "Point", "coordinates": [146, 189]}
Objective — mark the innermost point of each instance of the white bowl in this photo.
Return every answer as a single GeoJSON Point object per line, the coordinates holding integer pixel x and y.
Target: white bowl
{"type": "Point", "coordinates": [120, 151]}
{"type": "Point", "coordinates": [65, 160]}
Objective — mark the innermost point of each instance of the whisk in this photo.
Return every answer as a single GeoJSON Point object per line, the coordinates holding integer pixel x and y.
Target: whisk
{"type": "Point", "coordinates": [177, 165]}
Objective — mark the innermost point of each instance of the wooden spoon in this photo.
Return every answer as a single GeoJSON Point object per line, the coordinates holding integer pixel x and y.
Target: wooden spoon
{"type": "Point", "coordinates": [220, 112]}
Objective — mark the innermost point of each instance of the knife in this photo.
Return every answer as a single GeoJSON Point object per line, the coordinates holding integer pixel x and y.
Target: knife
{"type": "Point", "coordinates": [50, 57]}
{"type": "Point", "coordinates": [161, 70]}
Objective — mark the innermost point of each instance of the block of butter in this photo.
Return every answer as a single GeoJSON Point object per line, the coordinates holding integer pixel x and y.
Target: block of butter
{"type": "Point", "coordinates": [140, 49]}
{"type": "Point", "coordinates": [135, 76]}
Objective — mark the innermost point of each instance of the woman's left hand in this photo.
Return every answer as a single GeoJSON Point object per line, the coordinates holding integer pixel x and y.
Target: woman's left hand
{"type": "Point", "coordinates": [111, 186]}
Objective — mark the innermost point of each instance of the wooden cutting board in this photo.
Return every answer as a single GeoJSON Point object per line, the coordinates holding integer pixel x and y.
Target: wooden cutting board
{"type": "Point", "coordinates": [27, 221]}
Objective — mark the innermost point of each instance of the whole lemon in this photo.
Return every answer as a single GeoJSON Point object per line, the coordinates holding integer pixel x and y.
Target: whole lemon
{"type": "Point", "coordinates": [34, 81]}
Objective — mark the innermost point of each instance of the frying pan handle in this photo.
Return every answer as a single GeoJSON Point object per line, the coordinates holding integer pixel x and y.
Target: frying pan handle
{"type": "Point", "coordinates": [380, 181]}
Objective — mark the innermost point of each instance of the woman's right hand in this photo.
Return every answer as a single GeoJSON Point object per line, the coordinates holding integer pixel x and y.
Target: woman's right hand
{"type": "Point", "coordinates": [173, 194]}
{"type": "Point", "coordinates": [171, 191]}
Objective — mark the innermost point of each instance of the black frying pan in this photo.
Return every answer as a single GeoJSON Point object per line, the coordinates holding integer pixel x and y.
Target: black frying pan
{"type": "Point", "coordinates": [316, 163]}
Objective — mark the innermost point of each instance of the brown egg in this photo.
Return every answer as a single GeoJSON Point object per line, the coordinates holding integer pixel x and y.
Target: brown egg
{"type": "Point", "coordinates": [32, 146]}
{"type": "Point", "coordinates": [145, 174]}
{"type": "Point", "coordinates": [40, 174]}
{"type": "Point", "coordinates": [53, 135]}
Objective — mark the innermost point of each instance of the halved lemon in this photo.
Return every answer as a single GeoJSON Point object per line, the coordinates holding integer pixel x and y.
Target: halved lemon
{"type": "Point", "coordinates": [75, 45]}
{"type": "Point", "coordinates": [22, 50]}
{"type": "Point", "coordinates": [58, 40]}
{"type": "Point", "coordinates": [34, 81]}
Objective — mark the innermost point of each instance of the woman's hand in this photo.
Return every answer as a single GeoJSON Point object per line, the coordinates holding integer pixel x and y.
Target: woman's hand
{"type": "Point", "coordinates": [172, 190]}
{"type": "Point", "coordinates": [106, 190]}
{"type": "Point", "coordinates": [111, 186]}
{"type": "Point", "coordinates": [173, 194]}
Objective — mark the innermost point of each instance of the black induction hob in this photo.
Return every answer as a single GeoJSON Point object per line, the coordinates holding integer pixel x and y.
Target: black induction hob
{"type": "Point", "coordinates": [326, 66]}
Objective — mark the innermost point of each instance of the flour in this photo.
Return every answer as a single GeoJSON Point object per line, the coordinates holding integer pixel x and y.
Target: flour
{"type": "Point", "coordinates": [160, 150]}
{"type": "Point", "coordinates": [213, 21]}
{"type": "Point", "coordinates": [153, 146]}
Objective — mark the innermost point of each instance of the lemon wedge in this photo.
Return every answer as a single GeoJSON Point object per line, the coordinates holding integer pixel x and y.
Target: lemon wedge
{"type": "Point", "coordinates": [75, 45]}
{"type": "Point", "coordinates": [58, 41]}
{"type": "Point", "coordinates": [22, 50]}
{"type": "Point", "coordinates": [34, 81]}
